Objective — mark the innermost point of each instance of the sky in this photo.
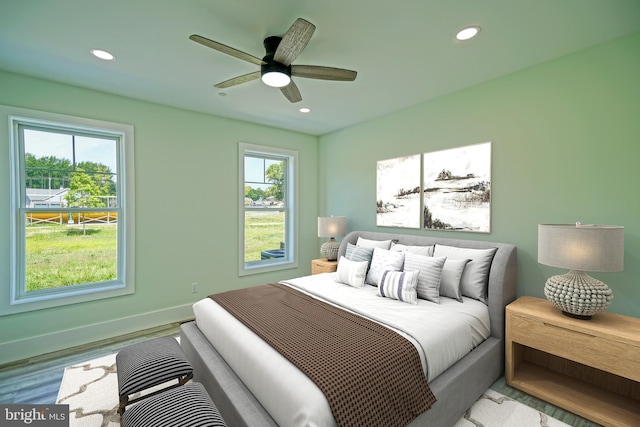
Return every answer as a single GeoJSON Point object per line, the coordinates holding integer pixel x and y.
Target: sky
{"type": "Point", "coordinates": [255, 169]}
{"type": "Point", "coordinates": [60, 145]}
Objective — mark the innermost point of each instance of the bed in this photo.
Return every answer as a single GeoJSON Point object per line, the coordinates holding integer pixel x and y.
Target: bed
{"type": "Point", "coordinates": [260, 397]}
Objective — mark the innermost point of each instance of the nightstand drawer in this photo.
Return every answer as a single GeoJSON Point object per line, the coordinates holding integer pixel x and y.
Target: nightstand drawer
{"type": "Point", "coordinates": [616, 357]}
{"type": "Point", "coordinates": [323, 266]}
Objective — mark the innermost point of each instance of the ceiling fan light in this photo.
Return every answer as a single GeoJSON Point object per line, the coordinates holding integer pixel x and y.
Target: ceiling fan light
{"type": "Point", "coordinates": [276, 79]}
{"type": "Point", "coordinates": [102, 54]}
{"type": "Point", "coordinates": [467, 33]}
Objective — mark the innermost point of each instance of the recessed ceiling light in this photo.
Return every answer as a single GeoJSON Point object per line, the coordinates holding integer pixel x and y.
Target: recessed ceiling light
{"type": "Point", "coordinates": [102, 54]}
{"type": "Point", "coordinates": [467, 33]}
{"type": "Point", "coordinates": [305, 110]}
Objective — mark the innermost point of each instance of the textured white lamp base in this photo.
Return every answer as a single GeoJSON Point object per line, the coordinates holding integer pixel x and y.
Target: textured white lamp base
{"type": "Point", "coordinates": [577, 294]}
{"type": "Point", "coordinates": [329, 249]}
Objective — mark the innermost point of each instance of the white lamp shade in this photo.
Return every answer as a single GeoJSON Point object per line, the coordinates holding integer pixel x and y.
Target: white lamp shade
{"type": "Point", "coordinates": [581, 247]}
{"type": "Point", "coordinates": [332, 226]}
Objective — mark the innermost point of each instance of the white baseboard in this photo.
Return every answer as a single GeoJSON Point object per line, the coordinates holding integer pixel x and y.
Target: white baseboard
{"type": "Point", "coordinates": [34, 346]}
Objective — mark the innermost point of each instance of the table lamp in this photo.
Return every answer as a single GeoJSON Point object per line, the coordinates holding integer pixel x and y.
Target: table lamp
{"type": "Point", "coordinates": [580, 248]}
{"type": "Point", "coordinates": [331, 226]}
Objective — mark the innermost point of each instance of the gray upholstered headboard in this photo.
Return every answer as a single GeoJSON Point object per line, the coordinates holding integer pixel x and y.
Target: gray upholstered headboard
{"type": "Point", "coordinates": [502, 275]}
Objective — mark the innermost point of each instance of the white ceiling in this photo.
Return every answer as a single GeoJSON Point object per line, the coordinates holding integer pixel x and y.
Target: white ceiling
{"type": "Point", "coordinates": [404, 51]}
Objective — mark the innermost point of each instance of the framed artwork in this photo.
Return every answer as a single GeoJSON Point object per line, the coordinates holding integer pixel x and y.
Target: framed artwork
{"type": "Point", "coordinates": [440, 190]}
{"type": "Point", "coordinates": [457, 189]}
{"type": "Point", "coordinates": [398, 192]}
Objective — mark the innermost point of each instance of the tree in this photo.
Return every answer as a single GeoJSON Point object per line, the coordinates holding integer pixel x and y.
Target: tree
{"type": "Point", "coordinates": [84, 193]}
{"type": "Point", "coordinates": [101, 175]}
{"type": "Point", "coordinates": [46, 171]}
{"type": "Point", "coordinates": [275, 175]}
{"type": "Point", "coordinates": [53, 172]}
{"type": "Point", "coordinates": [253, 193]}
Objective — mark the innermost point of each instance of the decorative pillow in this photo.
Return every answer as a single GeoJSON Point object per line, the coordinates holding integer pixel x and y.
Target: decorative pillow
{"type": "Point", "coordinates": [367, 243]}
{"type": "Point", "coordinates": [450, 280]}
{"type": "Point", "coordinates": [383, 260]}
{"type": "Point", "coordinates": [358, 253]}
{"type": "Point", "coordinates": [430, 269]}
{"type": "Point", "coordinates": [351, 273]}
{"type": "Point", "coordinates": [476, 274]}
{"type": "Point", "coordinates": [400, 285]}
{"type": "Point", "coordinates": [419, 250]}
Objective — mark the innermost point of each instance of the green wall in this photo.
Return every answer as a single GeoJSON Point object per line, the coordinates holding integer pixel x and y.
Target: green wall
{"type": "Point", "coordinates": [566, 147]}
{"type": "Point", "coordinates": [186, 212]}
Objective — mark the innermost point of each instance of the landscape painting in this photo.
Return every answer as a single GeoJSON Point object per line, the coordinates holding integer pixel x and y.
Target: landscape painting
{"type": "Point", "coordinates": [398, 192]}
{"type": "Point", "coordinates": [457, 189]}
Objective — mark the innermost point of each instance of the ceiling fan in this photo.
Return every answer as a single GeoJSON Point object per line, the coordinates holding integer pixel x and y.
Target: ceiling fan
{"type": "Point", "coordinates": [275, 67]}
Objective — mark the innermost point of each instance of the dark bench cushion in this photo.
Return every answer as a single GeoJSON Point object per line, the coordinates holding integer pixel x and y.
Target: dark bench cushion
{"type": "Point", "coordinates": [186, 406]}
{"type": "Point", "coordinates": [149, 363]}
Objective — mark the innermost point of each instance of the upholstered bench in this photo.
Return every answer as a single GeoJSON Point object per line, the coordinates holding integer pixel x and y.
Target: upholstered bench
{"type": "Point", "coordinates": [148, 364]}
{"type": "Point", "coordinates": [186, 406]}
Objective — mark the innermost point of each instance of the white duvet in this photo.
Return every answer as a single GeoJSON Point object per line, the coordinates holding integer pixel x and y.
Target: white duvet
{"type": "Point", "coordinates": [442, 333]}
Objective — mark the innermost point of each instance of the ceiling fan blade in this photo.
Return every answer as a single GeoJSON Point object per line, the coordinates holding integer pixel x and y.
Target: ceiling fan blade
{"type": "Point", "coordinates": [291, 92]}
{"type": "Point", "coordinates": [226, 49]}
{"type": "Point", "coordinates": [294, 41]}
{"type": "Point", "coordinates": [323, 73]}
{"type": "Point", "coordinates": [238, 80]}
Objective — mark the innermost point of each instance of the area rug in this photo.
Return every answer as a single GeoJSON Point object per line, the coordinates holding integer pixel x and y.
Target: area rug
{"type": "Point", "coordinates": [91, 391]}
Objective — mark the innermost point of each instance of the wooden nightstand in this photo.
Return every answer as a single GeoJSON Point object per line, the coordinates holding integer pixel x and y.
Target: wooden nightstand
{"type": "Point", "coordinates": [321, 265]}
{"type": "Point", "coordinates": [589, 367]}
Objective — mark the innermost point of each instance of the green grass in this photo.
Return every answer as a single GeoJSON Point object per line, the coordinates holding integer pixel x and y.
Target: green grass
{"type": "Point", "coordinates": [263, 231]}
{"type": "Point", "coordinates": [63, 255]}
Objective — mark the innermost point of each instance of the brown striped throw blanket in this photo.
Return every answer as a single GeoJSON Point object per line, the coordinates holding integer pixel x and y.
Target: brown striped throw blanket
{"type": "Point", "coordinates": [370, 375]}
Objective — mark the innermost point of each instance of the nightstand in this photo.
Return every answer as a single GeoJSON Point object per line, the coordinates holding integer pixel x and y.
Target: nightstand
{"type": "Point", "coordinates": [322, 265]}
{"type": "Point", "coordinates": [588, 367]}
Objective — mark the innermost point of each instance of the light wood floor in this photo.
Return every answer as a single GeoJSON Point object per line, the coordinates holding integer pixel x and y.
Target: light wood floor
{"type": "Point", "coordinates": [37, 380]}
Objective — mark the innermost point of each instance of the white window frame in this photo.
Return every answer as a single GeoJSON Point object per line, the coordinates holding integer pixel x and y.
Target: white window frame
{"type": "Point", "coordinates": [19, 300]}
{"type": "Point", "coordinates": [290, 259]}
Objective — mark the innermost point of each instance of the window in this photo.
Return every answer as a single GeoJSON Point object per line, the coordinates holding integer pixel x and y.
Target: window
{"type": "Point", "coordinates": [72, 210]}
{"type": "Point", "coordinates": [267, 209]}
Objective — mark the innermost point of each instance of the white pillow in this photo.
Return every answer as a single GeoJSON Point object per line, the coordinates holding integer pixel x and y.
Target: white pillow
{"type": "Point", "coordinates": [351, 273]}
{"type": "Point", "coordinates": [475, 276]}
{"type": "Point", "coordinates": [383, 260]}
{"type": "Point", "coordinates": [450, 280]}
{"type": "Point", "coordinates": [400, 285]}
{"type": "Point", "coordinates": [367, 243]}
{"type": "Point", "coordinates": [430, 269]}
{"type": "Point", "coordinates": [419, 250]}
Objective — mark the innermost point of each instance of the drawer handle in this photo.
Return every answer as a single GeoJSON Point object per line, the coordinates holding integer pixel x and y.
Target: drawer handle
{"type": "Point", "coordinates": [567, 329]}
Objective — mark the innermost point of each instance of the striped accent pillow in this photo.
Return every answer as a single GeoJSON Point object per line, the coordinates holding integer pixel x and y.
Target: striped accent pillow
{"type": "Point", "coordinates": [358, 253]}
{"type": "Point", "coordinates": [400, 285]}
{"type": "Point", "coordinates": [351, 273]}
{"type": "Point", "coordinates": [430, 269]}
